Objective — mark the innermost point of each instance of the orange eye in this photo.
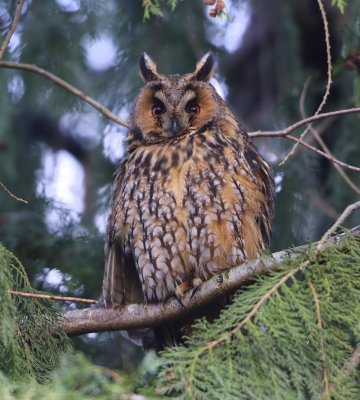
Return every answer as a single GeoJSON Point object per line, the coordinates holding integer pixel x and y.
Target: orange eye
{"type": "Point", "coordinates": [192, 108]}
{"type": "Point", "coordinates": [157, 109]}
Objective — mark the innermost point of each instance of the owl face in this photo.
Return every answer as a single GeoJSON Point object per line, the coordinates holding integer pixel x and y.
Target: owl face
{"type": "Point", "coordinates": [172, 106]}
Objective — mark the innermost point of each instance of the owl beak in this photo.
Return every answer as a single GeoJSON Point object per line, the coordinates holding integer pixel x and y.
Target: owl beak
{"type": "Point", "coordinates": [175, 127]}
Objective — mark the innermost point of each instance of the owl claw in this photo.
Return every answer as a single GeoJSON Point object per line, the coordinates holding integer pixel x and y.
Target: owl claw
{"type": "Point", "coordinates": [180, 289]}
{"type": "Point", "coordinates": [196, 284]}
{"type": "Point", "coordinates": [178, 298]}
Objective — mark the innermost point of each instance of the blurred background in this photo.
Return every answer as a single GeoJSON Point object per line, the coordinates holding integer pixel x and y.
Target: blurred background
{"type": "Point", "coordinates": [59, 154]}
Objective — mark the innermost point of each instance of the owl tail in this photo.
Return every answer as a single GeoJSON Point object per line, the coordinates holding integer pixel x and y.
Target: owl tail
{"type": "Point", "coordinates": [172, 334]}
{"type": "Point", "coordinates": [168, 335]}
{"type": "Point", "coordinates": [155, 338]}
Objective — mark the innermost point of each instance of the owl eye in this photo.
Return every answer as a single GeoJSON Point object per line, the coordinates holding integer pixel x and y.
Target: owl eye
{"type": "Point", "coordinates": [192, 107]}
{"type": "Point", "coordinates": [157, 109]}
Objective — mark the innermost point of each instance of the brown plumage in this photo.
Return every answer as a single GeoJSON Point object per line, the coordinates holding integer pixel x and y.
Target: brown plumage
{"type": "Point", "coordinates": [191, 198]}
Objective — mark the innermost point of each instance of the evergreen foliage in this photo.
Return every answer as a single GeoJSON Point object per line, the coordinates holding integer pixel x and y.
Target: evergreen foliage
{"type": "Point", "coordinates": [340, 4]}
{"type": "Point", "coordinates": [153, 7]}
{"type": "Point", "coordinates": [76, 379]}
{"type": "Point", "coordinates": [288, 336]}
{"type": "Point", "coordinates": [31, 339]}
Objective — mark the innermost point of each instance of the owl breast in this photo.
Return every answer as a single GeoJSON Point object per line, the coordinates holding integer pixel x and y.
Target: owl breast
{"type": "Point", "coordinates": [191, 208]}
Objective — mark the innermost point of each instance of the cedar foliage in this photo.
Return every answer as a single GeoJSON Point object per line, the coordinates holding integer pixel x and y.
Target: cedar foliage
{"type": "Point", "coordinates": [75, 379]}
{"type": "Point", "coordinates": [302, 335]}
{"type": "Point", "coordinates": [31, 338]}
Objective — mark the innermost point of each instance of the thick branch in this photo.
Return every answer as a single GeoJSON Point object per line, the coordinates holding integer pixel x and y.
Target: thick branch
{"type": "Point", "coordinates": [145, 315]}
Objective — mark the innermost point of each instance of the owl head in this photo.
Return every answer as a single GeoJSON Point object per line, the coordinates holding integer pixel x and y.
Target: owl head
{"type": "Point", "coordinates": [170, 107]}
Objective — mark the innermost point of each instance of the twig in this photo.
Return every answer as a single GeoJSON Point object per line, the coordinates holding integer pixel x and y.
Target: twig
{"type": "Point", "coordinates": [321, 153]}
{"type": "Point", "coordinates": [348, 210]}
{"type": "Point", "coordinates": [329, 76]}
{"type": "Point", "coordinates": [72, 89]}
{"type": "Point", "coordinates": [51, 297]}
{"type": "Point", "coordinates": [145, 315]}
{"type": "Point", "coordinates": [326, 394]}
{"type": "Point", "coordinates": [340, 170]}
{"type": "Point", "coordinates": [11, 194]}
{"type": "Point", "coordinates": [12, 27]}
{"type": "Point", "coordinates": [298, 124]}
{"type": "Point", "coordinates": [321, 142]}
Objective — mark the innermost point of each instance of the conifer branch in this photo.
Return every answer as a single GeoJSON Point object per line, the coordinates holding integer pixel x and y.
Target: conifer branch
{"type": "Point", "coordinates": [132, 316]}
{"type": "Point", "coordinates": [257, 306]}
{"type": "Point", "coordinates": [326, 393]}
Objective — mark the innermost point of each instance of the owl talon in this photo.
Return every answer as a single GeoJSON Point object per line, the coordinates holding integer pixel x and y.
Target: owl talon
{"type": "Point", "coordinates": [196, 284]}
{"type": "Point", "coordinates": [180, 290]}
{"type": "Point", "coordinates": [178, 298]}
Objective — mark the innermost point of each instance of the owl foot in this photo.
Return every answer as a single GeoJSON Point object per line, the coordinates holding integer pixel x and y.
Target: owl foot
{"type": "Point", "coordinates": [182, 287]}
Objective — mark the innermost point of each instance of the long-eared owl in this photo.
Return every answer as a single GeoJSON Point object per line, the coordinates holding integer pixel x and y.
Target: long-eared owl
{"type": "Point", "coordinates": [191, 198]}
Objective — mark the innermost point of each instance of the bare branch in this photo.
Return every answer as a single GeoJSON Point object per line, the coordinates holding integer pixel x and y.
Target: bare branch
{"type": "Point", "coordinates": [321, 153]}
{"type": "Point", "coordinates": [286, 131]}
{"type": "Point", "coordinates": [329, 76]}
{"type": "Point", "coordinates": [72, 89]}
{"type": "Point", "coordinates": [348, 210]}
{"type": "Point", "coordinates": [144, 315]}
{"type": "Point", "coordinates": [321, 142]}
{"type": "Point", "coordinates": [51, 297]}
{"type": "Point", "coordinates": [12, 195]}
{"type": "Point", "coordinates": [12, 27]}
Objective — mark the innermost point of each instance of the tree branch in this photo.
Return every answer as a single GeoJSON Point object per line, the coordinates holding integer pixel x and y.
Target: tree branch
{"type": "Point", "coordinates": [105, 111]}
{"type": "Point", "coordinates": [329, 77]}
{"type": "Point", "coordinates": [321, 153]}
{"type": "Point", "coordinates": [317, 136]}
{"type": "Point", "coordinates": [11, 194]}
{"type": "Point", "coordinates": [145, 315]}
{"type": "Point", "coordinates": [51, 297]}
{"type": "Point", "coordinates": [12, 27]}
{"type": "Point", "coordinates": [298, 124]}
{"type": "Point", "coordinates": [72, 89]}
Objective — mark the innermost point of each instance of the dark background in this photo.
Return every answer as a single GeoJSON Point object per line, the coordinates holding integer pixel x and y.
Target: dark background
{"type": "Point", "coordinates": [59, 154]}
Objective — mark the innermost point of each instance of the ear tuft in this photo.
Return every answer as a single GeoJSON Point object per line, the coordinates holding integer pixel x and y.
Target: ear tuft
{"type": "Point", "coordinates": [148, 71]}
{"type": "Point", "coordinates": [205, 67]}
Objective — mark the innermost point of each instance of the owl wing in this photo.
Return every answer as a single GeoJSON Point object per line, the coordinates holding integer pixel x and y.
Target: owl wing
{"type": "Point", "coordinates": [121, 284]}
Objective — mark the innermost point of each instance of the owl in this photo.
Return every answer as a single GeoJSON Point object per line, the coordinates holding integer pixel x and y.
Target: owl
{"type": "Point", "coordinates": [192, 196]}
